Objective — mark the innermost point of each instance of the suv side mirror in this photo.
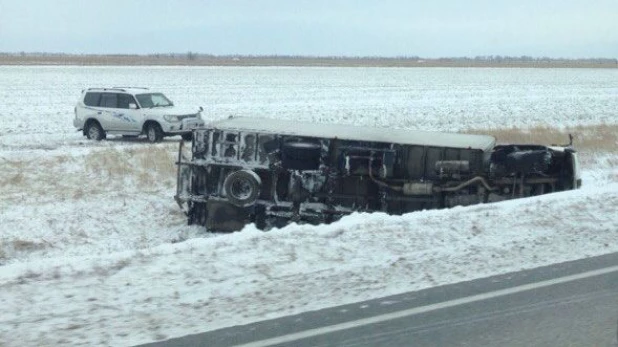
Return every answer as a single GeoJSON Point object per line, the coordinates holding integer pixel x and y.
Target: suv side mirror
{"type": "Point", "coordinates": [133, 106]}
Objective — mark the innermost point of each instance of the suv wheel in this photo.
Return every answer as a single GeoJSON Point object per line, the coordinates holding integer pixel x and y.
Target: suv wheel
{"type": "Point", "coordinates": [154, 133]}
{"type": "Point", "coordinates": [94, 131]}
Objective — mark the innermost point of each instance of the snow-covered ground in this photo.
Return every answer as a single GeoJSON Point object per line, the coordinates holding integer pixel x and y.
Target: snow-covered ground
{"type": "Point", "coordinates": [39, 101]}
{"type": "Point", "coordinates": [94, 250]}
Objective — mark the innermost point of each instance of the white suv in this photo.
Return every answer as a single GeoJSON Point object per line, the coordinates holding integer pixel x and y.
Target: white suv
{"type": "Point", "coordinates": [131, 111]}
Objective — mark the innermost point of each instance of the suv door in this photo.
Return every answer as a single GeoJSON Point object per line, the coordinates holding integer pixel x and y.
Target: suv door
{"type": "Point", "coordinates": [128, 117]}
{"type": "Point", "coordinates": [107, 105]}
{"type": "Point", "coordinates": [117, 114]}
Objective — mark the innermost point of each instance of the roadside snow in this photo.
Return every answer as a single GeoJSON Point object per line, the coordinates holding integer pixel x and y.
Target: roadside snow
{"type": "Point", "coordinates": [202, 284]}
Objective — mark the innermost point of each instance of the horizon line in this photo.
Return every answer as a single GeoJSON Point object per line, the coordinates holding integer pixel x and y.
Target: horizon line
{"type": "Point", "coordinates": [194, 55]}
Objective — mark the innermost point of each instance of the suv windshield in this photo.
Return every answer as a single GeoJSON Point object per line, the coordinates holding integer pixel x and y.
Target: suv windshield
{"type": "Point", "coordinates": [153, 100]}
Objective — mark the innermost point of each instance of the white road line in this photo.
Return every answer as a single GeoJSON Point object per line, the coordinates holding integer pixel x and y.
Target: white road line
{"type": "Point", "coordinates": [423, 309]}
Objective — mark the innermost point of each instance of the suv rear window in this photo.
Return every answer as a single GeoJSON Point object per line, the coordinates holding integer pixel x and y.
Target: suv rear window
{"type": "Point", "coordinates": [92, 99]}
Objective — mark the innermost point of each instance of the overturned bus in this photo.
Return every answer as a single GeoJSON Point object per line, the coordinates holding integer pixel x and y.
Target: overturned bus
{"type": "Point", "coordinates": [272, 172]}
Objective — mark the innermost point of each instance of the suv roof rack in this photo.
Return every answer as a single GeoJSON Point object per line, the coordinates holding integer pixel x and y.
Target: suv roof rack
{"type": "Point", "coordinates": [114, 88]}
{"type": "Point", "coordinates": [121, 89]}
{"type": "Point", "coordinates": [132, 87]}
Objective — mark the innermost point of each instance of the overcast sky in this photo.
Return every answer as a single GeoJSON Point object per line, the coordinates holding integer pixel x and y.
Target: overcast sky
{"type": "Point", "coordinates": [429, 28]}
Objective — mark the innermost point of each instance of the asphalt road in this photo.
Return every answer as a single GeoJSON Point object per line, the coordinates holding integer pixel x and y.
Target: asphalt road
{"type": "Point", "coordinates": [568, 304]}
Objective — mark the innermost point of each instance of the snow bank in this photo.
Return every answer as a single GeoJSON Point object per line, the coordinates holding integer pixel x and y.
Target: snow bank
{"type": "Point", "coordinates": [207, 283]}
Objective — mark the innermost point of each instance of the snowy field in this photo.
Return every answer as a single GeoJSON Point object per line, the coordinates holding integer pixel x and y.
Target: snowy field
{"type": "Point", "coordinates": [94, 250]}
{"type": "Point", "coordinates": [38, 101]}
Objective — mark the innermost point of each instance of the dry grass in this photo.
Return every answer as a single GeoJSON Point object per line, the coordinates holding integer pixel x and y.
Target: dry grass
{"type": "Point", "coordinates": [597, 145]}
{"type": "Point", "coordinates": [12, 173]}
{"type": "Point", "coordinates": [25, 245]}
{"type": "Point", "coordinates": [9, 247]}
{"type": "Point", "coordinates": [586, 139]}
{"type": "Point", "coordinates": [66, 177]}
{"type": "Point", "coordinates": [158, 163]}
{"type": "Point", "coordinates": [111, 164]}
{"type": "Point", "coordinates": [147, 166]}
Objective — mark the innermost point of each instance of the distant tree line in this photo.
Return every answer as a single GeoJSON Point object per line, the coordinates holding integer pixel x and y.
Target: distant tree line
{"type": "Point", "coordinates": [194, 58]}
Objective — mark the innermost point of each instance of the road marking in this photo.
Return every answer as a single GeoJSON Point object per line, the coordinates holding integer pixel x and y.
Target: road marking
{"type": "Point", "coordinates": [422, 309]}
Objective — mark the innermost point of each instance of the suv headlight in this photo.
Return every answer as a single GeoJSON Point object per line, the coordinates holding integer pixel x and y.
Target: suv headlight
{"type": "Point", "coordinates": [171, 119]}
